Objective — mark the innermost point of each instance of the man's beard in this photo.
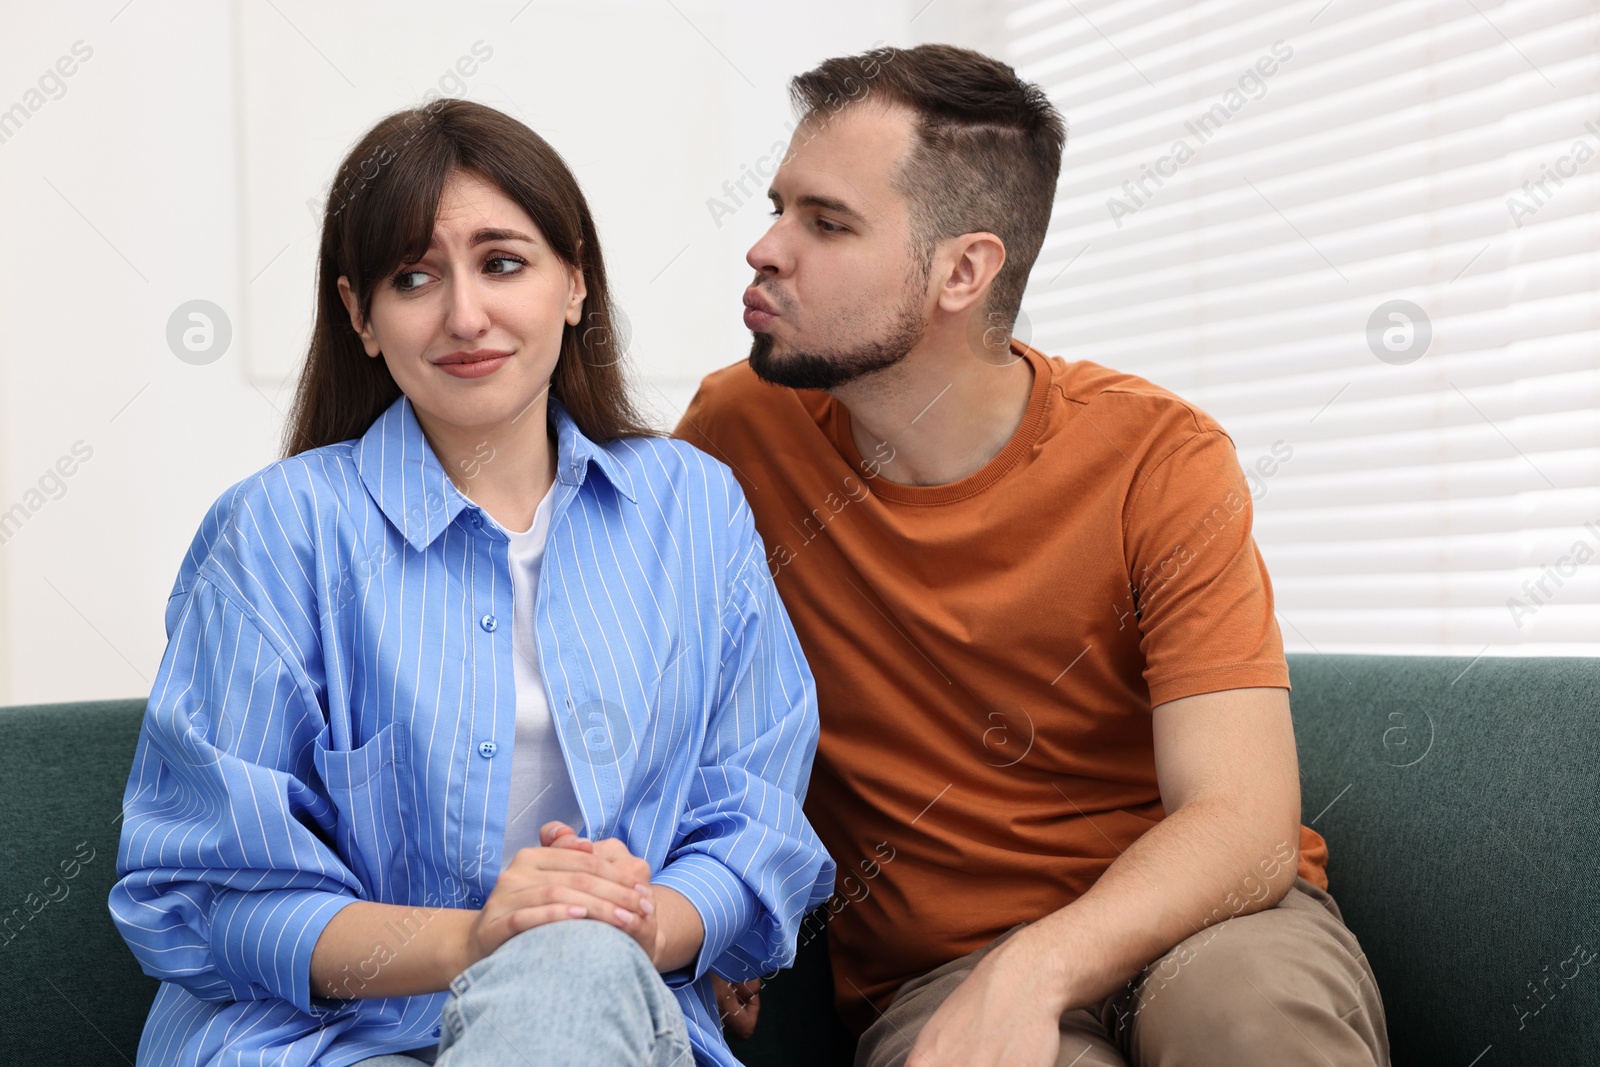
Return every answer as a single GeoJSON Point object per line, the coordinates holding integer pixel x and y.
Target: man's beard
{"type": "Point", "coordinates": [828, 369]}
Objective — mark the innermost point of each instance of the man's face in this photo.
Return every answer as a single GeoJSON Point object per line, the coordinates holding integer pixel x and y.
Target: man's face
{"type": "Point", "coordinates": [839, 290]}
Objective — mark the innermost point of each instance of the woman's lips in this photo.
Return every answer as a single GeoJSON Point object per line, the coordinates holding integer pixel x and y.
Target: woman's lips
{"type": "Point", "coordinates": [475, 369]}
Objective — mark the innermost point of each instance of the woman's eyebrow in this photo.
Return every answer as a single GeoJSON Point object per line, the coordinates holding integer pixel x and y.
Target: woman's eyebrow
{"type": "Point", "coordinates": [485, 236]}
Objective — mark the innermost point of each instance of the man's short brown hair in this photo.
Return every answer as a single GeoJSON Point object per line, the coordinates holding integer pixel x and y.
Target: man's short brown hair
{"type": "Point", "coordinates": [985, 154]}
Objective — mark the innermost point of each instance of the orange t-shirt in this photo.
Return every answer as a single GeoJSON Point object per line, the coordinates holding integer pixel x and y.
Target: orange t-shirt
{"type": "Point", "coordinates": [987, 653]}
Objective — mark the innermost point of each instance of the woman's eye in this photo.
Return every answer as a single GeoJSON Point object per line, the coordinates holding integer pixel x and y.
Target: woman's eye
{"type": "Point", "coordinates": [399, 280]}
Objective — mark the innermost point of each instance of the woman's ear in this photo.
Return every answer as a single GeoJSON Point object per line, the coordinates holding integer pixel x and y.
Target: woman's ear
{"type": "Point", "coordinates": [579, 290]}
{"type": "Point", "coordinates": [368, 340]}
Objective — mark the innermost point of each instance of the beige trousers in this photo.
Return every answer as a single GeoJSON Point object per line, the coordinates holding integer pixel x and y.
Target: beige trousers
{"type": "Point", "coordinates": [1285, 986]}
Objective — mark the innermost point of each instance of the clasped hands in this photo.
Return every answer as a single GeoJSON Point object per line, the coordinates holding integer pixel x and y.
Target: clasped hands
{"type": "Point", "coordinates": [568, 877]}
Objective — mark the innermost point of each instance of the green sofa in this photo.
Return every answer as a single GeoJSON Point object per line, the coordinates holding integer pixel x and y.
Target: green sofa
{"type": "Point", "coordinates": [1460, 800]}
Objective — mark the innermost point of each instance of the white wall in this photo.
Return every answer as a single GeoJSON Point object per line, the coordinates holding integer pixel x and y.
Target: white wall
{"type": "Point", "coordinates": [175, 164]}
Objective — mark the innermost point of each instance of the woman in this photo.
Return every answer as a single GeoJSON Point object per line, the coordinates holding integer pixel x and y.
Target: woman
{"type": "Point", "coordinates": [477, 606]}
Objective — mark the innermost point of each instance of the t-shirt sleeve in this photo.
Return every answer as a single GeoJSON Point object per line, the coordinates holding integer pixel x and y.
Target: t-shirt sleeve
{"type": "Point", "coordinates": [1200, 587]}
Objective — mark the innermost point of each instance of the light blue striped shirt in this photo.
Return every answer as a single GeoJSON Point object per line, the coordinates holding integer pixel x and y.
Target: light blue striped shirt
{"type": "Point", "coordinates": [334, 713]}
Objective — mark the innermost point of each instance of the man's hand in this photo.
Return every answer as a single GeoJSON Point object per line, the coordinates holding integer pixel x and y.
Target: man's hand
{"type": "Point", "coordinates": [998, 1017]}
{"type": "Point", "coordinates": [739, 1003]}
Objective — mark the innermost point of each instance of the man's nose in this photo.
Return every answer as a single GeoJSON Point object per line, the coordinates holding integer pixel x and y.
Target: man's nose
{"type": "Point", "coordinates": [767, 255]}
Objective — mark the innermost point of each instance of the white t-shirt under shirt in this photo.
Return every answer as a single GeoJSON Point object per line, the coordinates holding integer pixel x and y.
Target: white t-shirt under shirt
{"type": "Point", "coordinates": [541, 787]}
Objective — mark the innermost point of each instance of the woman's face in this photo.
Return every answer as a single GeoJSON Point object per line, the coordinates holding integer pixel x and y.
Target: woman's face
{"type": "Point", "coordinates": [488, 286]}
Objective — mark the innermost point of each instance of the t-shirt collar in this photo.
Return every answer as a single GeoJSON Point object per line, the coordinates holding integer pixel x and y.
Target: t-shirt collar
{"type": "Point", "coordinates": [1014, 453]}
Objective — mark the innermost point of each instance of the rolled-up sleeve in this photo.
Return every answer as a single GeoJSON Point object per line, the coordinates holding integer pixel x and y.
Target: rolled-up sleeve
{"type": "Point", "coordinates": [746, 857]}
{"type": "Point", "coordinates": [225, 877]}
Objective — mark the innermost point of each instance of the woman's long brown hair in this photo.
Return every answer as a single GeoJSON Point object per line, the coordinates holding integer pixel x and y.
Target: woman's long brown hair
{"type": "Point", "coordinates": [380, 215]}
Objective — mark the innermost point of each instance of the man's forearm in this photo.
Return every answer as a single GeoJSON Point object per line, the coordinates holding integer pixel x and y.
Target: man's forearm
{"type": "Point", "coordinates": [1201, 864]}
{"type": "Point", "coordinates": [389, 950]}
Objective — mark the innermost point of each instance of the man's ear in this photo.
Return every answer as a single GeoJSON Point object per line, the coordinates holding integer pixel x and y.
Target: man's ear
{"type": "Point", "coordinates": [369, 341]}
{"type": "Point", "coordinates": [969, 264]}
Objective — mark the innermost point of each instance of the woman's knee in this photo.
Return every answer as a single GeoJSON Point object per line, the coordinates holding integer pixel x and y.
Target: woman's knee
{"type": "Point", "coordinates": [582, 951]}
{"type": "Point", "coordinates": [574, 984]}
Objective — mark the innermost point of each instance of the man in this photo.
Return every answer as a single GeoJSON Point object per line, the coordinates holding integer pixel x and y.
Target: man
{"type": "Point", "coordinates": [1057, 769]}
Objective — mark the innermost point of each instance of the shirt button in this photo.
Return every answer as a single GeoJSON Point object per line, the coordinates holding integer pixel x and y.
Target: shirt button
{"type": "Point", "coordinates": [487, 749]}
{"type": "Point", "coordinates": [477, 520]}
{"type": "Point", "coordinates": [488, 623]}
{"type": "Point", "coordinates": [435, 1031]}
{"type": "Point", "coordinates": [475, 901]}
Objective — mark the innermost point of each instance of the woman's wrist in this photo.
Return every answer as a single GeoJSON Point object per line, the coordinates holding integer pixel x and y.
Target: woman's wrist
{"type": "Point", "coordinates": [357, 956]}
{"type": "Point", "coordinates": [680, 932]}
{"type": "Point", "coordinates": [454, 946]}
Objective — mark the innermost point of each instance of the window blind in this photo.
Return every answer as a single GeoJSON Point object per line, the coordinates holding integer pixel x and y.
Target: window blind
{"type": "Point", "coordinates": [1365, 236]}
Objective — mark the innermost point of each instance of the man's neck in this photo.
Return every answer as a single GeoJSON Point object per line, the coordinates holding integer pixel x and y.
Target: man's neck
{"type": "Point", "coordinates": [939, 415]}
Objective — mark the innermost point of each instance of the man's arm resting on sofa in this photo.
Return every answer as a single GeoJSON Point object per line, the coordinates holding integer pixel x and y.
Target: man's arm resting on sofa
{"type": "Point", "coordinates": [1229, 845]}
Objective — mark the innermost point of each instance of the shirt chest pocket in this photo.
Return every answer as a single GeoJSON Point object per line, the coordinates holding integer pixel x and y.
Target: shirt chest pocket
{"type": "Point", "coordinates": [371, 791]}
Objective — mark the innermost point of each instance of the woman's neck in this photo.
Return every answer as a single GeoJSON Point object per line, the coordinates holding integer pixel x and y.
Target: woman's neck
{"type": "Point", "coordinates": [506, 468]}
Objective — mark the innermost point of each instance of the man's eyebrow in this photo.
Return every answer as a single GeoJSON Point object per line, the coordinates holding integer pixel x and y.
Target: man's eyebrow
{"type": "Point", "coordinates": [826, 203]}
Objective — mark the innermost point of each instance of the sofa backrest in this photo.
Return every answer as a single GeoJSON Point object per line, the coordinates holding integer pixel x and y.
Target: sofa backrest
{"type": "Point", "coordinates": [72, 991]}
{"type": "Point", "coordinates": [1460, 799]}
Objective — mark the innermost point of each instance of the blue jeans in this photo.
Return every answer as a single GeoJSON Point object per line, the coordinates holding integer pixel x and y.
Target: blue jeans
{"type": "Point", "coordinates": [574, 992]}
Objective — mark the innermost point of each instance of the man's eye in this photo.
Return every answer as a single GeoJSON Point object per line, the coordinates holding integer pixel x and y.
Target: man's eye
{"type": "Point", "coordinates": [828, 227]}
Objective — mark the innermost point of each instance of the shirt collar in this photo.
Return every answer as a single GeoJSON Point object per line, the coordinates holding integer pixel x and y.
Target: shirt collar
{"type": "Point", "coordinates": [410, 486]}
